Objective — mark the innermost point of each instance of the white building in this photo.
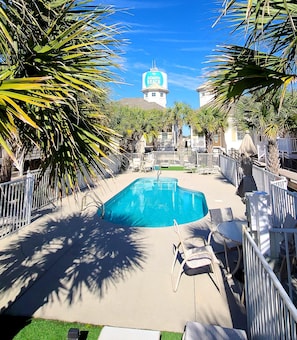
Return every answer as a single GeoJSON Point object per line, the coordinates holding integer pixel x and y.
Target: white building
{"type": "Point", "coordinates": [155, 86]}
{"type": "Point", "coordinates": [232, 137]}
{"type": "Point", "coordinates": [204, 96]}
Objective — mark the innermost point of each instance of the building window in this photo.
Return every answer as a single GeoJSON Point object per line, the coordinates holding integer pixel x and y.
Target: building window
{"type": "Point", "coordinates": [154, 94]}
{"type": "Point", "coordinates": [240, 135]}
{"type": "Point", "coordinates": [164, 136]}
{"type": "Point", "coordinates": [161, 94]}
{"type": "Point", "coordinates": [146, 95]}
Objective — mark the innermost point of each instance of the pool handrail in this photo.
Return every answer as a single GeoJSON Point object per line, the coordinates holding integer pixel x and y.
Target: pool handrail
{"type": "Point", "coordinates": [95, 201]}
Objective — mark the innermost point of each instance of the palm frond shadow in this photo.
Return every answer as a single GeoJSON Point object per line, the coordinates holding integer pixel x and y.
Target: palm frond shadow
{"type": "Point", "coordinates": [62, 257]}
{"type": "Point", "coordinates": [231, 289]}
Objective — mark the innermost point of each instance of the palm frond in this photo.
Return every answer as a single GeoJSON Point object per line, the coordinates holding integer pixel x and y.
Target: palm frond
{"type": "Point", "coordinates": [237, 70]}
{"type": "Point", "coordinates": [70, 43]}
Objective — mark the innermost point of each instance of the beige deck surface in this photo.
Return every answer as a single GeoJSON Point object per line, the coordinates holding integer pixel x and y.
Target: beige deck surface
{"type": "Point", "coordinates": [74, 266]}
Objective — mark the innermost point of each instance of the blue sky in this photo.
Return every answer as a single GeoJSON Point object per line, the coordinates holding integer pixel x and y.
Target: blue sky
{"type": "Point", "coordinates": [177, 35]}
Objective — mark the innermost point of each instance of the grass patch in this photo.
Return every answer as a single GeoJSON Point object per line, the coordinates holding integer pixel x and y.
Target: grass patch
{"type": "Point", "coordinates": [170, 336]}
{"type": "Point", "coordinates": [21, 328]}
{"type": "Point", "coordinates": [26, 328]}
{"type": "Point", "coordinates": [173, 167]}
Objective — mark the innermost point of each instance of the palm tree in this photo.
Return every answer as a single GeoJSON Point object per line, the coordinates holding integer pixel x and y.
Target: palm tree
{"type": "Point", "coordinates": [269, 120]}
{"type": "Point", "coordinates": [70, 43]}
{"type": "Point", "coordinates": [267, 60]}
{"type": "Point", "coordinates": [209, 120]}
{"type": "Point", "coordinates": [133, 123]}
{"type": "Point", "coordinates": [265, 66]}
{"type": "Point", "coordinates": [178, 116]}
{"type": "Point", "coordinates": [14, 92]}
{"type": "Point", "coordinates": [152, 126]}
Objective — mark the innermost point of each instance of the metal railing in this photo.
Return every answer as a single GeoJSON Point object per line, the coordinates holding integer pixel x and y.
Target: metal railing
{"type": "Point", "coordinates": [170, 158]}
{"type": "Point", "coordinates": [287, 145]}
{"type": "Point", "coordinates": [270, 312]}
{"type": "Point", "coordinates": [286, 255]}
{"type": "Point", "coordinates": [15, 204]}
{"type": "Point", "coordinates": [190, 160]}
{"type": "Point", "coordinates": [264, 179]}
{"type": "Point", "coordinates": [229, 168]}
{"type": "Point", "coordinates": [22, 197]}
{"type": "Point", "coordinates": [207, 162]}
{"type": "Point", "coordinates": [43, 193]}
{"type": "Point", "coordinates": [283, 202]}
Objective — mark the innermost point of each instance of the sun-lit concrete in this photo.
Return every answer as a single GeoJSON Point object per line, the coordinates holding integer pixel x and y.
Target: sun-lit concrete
{"type": "Point", "coordinates": [72, 265]}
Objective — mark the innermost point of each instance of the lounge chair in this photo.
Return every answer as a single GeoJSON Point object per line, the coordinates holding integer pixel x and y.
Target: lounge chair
{"type": "Point", "coordinates": [196, 330]}
{"type": "Point", "coordinates": [120, 333]}
{"type": "Point", "coordinates": [148, 165]}
{"type": "Point", "coordinates": [193, 259]}
{"type": "Point", "coordinates": [190, 167]}
{"type": "Point", "coordinates": [136, 164]}
{"type": "Point", "coordinates": [206, 164]}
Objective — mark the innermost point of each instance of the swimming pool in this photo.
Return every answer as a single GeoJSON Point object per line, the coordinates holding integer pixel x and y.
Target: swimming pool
{"type": "Point", "coordinates": [152, 202]}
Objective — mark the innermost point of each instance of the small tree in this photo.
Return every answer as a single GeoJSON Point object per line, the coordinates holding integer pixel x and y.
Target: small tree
{"type": "Point", "coordinates": [133, 123]}
{"type": "Point", "coordinates": [268, 119]}
{"type": "Point", "coordinates": [178, 116]}
{"type": "Point", "coordinates": [209, 120]}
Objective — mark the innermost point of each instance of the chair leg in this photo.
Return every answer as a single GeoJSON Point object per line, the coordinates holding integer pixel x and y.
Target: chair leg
{"type": "Point", "coordinates": [173, 265]}
{"type": "Point", "coordinates": [175, 252]}
{"type": "Point", "coordinates": [181, 270]}
{"type": "Point", "coordinates": [217, 282]}
{"type": "Point", "coordinates": [238, 261]}
{"type": "Point", "coordinates": [226, 258]}
{"type": "Point", "coordinates": [209, 237]}
{"type": "Point", "coordinates": [175, 287]}
{"type": "Point", "coordinates": [174, 260]}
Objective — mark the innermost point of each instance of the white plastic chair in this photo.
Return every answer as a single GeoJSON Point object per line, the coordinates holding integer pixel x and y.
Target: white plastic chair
{"type": "Point", "coordinates": [192, 257]}
{"type": "Point", "coordinates": [148, 165]}
{"type": "Point", "coordinates": [136, 164]}
{"type": "Point", "coordinates": [218, 216]}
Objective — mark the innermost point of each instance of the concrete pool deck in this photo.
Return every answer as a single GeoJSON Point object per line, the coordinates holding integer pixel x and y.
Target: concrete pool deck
{"type": "Point", "coordinates": [71, 265]}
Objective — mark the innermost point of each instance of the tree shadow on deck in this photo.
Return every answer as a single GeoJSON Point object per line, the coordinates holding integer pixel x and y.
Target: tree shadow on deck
{"type": "Point", "coordinates": [64, 256]}
{"type": "Point", "coordinates": [232, 286]}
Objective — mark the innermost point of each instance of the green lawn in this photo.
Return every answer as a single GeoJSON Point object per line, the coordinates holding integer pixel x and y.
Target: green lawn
{"type": "Point", "coordinates": [22, 328]}
{"type": "Point", "coordinates": [173, 167]}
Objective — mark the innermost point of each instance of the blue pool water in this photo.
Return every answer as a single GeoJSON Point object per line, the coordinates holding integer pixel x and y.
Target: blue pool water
{"type": "Point", "coordinates": [152, 202]}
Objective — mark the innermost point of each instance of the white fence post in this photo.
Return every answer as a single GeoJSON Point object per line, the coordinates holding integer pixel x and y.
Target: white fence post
{"type": "Point", "coordinates": [28, 198]}
{"type": "Point", "coordinates": [259, 218]}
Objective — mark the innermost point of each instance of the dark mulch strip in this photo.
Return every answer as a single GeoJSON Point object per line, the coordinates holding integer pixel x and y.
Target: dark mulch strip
{"type": "Point", "coordinates": [11, 325]}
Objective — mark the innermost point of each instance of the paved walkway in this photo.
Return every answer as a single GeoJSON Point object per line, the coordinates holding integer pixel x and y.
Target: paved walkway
{"type": "Point", "coordinates": [72, 265]}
